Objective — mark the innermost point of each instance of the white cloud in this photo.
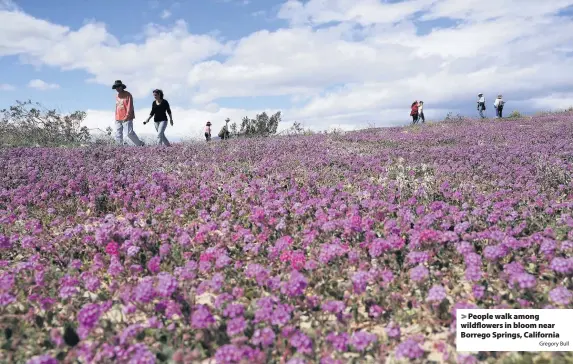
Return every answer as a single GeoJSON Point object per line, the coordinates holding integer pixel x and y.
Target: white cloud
{"type": "Point", "coordinates": [42, 85]}
{"type": "Point", "coordinates": [165, 14]}
{"type": "Point", "coordinates": [6, 87]}
{"type": "Point", "coordinates": [341, 62]}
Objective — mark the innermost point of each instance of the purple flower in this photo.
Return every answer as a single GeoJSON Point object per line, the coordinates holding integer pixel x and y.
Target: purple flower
{"type": "Point", "coordinates": [393, 330]}
{"type": "Point", "coordinates": [335, 307]}
{"type": "Point", "coordinates": [524, 280]}
{"type": "Point", "coordinates": [473, 273]}
{"type": "Point", "coordinates": [361, 339]}
{"type": "Point", "coordinates": [419, 274]}
{"type": "Point", "coordinates": [230, 354]}
{"type": "Point", "coordinates": [233, 310]}
{"type": "Point", "coordinates": [478, 291]}
{"type": "Point", "coordinates": [264, 337]}
{"type": "Point", "coordinates": [142, 355]}
{"type": "Point", "coordinates": [144, 292]}
{"type": "Point", "coordinates": [296, 284]}
{"type": "Point", "coordinates": [166, 284]}
{"type": "Point", "coordinates": [202, 318]}
{"type": "Point", "coordinates": [115, 267]}
{"type": "Point", "coordinates": [409, 349]}
{"type": "Point", "coordinates": [562, 265]}
{"type": "Point", "coordinates": [154, 264]}
{"type": "Point", "coordinates": [301, 342]}
{"type": "Point", "coordinates": [436, 294]}
{"type": "Point", "coordinates": [560, 296]}
{"type": "Point", "coordinates": [164, 250]}
{"type": "Point", "coordinates": [89, 316]}
{"type": "Point", "coordinates": [42, 359]}
{"type": "Point", "coordinates": [338, 340]}
{"type": "Point", "coordinates": [236, 326]}
{"type": "Point", "coordinates": [360, 281]}
{"type": "Point", "coordinates": [132, 251]}
{"type": "Point", "coordinates": [280, 316]}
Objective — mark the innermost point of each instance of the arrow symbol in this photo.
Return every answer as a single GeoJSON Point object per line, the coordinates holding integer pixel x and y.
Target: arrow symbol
{"type": "Point", "coordinates": [463, 316]}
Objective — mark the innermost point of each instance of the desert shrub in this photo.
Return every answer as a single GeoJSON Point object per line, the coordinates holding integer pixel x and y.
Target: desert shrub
{"type": "Point", "coordinates": [30, 124]}
{"type": "Point", "coordinates": [515, 115]}
{"type": "Point", "coordinates": [451, 118]}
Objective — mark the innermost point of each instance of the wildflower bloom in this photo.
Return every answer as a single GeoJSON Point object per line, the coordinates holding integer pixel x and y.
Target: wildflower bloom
{"type": "Point", "coordinates": [560, 296]}
{"type": "Point", "coordinates": [436, 294]}
{"type": "Point", "coordinates": [419, 273]}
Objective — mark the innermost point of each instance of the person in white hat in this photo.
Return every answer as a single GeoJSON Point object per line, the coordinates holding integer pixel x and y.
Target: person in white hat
{"type": "Point", "coordinates": [498, 104]}
{"type": "Point", "coordinates": [481, 105]}
{"type": "Point", "coordinates": [124, 114]}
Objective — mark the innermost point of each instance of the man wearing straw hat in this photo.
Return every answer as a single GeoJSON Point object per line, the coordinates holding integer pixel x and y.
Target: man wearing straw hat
{"type": "Point", "coordinates": [498, 104]}
{"type": "Point", "coordinates": [124, 114]}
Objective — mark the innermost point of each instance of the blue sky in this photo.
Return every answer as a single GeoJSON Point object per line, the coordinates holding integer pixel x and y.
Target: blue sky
{"type": "Point", "coordinates": [327, 63]}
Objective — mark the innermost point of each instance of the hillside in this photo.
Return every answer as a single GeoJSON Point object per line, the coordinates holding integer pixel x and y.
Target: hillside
{"type": "Point", "coordinates": [324, 247]}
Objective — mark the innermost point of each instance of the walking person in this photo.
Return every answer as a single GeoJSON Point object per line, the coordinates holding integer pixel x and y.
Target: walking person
{"type": "Point", "coordinates": [498, 104]}
{"type": "Point", "coordinates": [124, 114]}
{"type": "Point", "coordinates": [481, 105]}
{"type": "Point", "coordinates": [159, 110]}
{"type": "Point", "coordinates": [414, 112]}
{"type": "Point", "coordinates": [421, 111]}
{"type": "Point", "coordinates": [208, 131]}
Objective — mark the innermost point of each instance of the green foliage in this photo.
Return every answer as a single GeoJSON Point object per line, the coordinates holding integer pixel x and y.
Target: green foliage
{"type": "Point", "coordinates": [515, 115]}
{"type": "Point", "coordinates": [261, 125]}
{"type": "Point", "coordinates": [30, 124]}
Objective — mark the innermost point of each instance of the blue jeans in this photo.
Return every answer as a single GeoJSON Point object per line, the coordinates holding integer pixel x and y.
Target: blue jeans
{"type": "Point", "coordinates": [130, 133]}
{"type": "Point", "coordinates": [160, 126]}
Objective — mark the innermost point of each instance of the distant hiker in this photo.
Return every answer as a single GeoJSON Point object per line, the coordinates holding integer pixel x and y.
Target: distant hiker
{"type": "Point", "coordinates": [208, 131]}
{"type": "Point", "coordinates": [498, 104]}
{"type": "Point", "coordinates": [224, 133]}
{"type": "Point", "coordinates": [159, 110]}
{"type": "Point", "coordinates": [124, 113]}
{"type": "Point", "coordinates": [481, 105]}
{"type": "Point", "coordinates": [421, 111]}
{"type": "Point", "coordinates": [414, 112]}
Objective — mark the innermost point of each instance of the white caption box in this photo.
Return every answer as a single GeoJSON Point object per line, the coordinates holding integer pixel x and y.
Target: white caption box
{"type": "Point", "coordinates": [514, 330]}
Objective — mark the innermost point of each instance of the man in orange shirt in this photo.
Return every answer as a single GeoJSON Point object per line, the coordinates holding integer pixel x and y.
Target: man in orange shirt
{"type": "Point", "coordinates": [124, 113]}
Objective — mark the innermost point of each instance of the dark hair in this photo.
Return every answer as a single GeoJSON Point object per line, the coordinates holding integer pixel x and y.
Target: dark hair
{"type": "Point", "coordinates": [414, 103]}
{"type": "Point", "coordinates": [159, 92]}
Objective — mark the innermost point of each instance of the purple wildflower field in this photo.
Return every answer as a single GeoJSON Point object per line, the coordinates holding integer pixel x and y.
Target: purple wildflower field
{"type": "Point", "coordinates": [338, 248]}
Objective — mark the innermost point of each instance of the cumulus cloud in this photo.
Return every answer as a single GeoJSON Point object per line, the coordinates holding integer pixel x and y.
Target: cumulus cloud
{"type": "Point", "coordinates": [42, 85]}
{"type": "Point", "coordinates": [6, 87]}
{"type": "Point", "coordinates": [340, 62]}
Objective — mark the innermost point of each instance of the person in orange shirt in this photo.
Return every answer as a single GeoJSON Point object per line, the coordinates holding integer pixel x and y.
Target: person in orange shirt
{"type": "Point", "coordinates": [124, 114]}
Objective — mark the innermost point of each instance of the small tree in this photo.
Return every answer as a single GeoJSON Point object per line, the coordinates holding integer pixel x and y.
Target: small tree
{"type": "Point", "coordinates": [30, 124]}
{"type": "Point", "coordinates": [234, 129]}
{"type": "Point", "coordinates": [261, 125]}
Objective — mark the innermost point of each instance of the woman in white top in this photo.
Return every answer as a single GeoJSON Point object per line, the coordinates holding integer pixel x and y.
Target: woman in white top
{"type": "Point", "coordinates": [421, 111]}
